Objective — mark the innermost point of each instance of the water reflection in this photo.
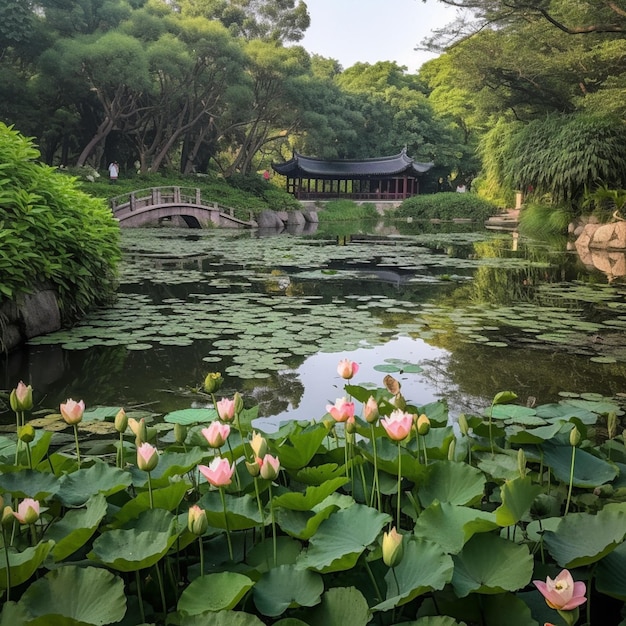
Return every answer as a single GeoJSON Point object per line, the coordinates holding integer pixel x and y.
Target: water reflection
{"type": "Point", "coordinates": [479, 312]}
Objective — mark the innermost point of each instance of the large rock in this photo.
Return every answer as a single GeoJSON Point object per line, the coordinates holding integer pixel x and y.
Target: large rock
{"type": "Point", "coordinates": [295, 218]}
{"type": "Point", "coordinates": [603, 236]}
{"type": "Point", "coordinates": [269, 219]}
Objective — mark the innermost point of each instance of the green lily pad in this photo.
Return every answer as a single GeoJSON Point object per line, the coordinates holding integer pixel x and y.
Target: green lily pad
{"type": "Point", "coordinates": [214, 592]}
{"type": "Point", "coordinates": [286, 587]}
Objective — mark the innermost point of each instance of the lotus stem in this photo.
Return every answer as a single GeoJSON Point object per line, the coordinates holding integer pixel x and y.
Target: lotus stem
{"type": "Point", "coordinates": [232, 456]}
{"type": "Point", "coordinates": [230, 545]}
{"type": "Point", "coordinates": [379, 596]}
{"type": "Point", "coordinates": [399, 485]}
{"type": "Point", "coordinates": [6, 564]}
{"type": "Point", "coordinates": [376, 487]}
{"type": "Point", "coordinates": [571, 480]}
{"type": "Point", "coordinates": [425, 450]}
{"type": "Point", "coordinates": [150, 491]}
{"type": "Point", "coordinates": [77, 447]}
{"type": "Point", "coordinates": [490, 425]}
{"type": "Point", "coordinates": [119, 457]}
{"type": "Point", "coordinates": [139, 597]}
{"type": "Point", "coordinates": [201, 548]}
{"type": "Point", "coordinates": [28, 455]}
{"type": "Point", "coordinates": [260, 506]}
{"type": "Point", "coordinates": [273, 525]}
{"type": "Point", "coordinates": [161, 589]}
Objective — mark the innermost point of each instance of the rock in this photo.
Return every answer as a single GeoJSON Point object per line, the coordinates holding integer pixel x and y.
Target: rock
{"type": "Point", "coordinates": [269, 219]}
{"type": "Point", "coordinates": [295, 218]}
{"type": "Point", "coordinates": [311, 216]}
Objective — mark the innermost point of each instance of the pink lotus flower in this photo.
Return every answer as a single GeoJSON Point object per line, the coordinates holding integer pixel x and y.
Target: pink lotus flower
{"type": "Point", "coordinates": [197, 522]}
{"type": "Point", "coordinates": [219, 472]}
{"type": "Point", "coordinates": [216, 434]}
{"type": "Point", "coordinates": [27, 511]}
{"type": "Point", "coordinates": [147, 457]}
{"type": "Point", "coordinates": [72, 412]}
{"type": "Point", "coordinates": [398, 425]}
{"type": "Point", "coordinates": [347, 368]}
{"type": "Point", "coordinates": [370, 410]}
{"type": "Point", "coordinates": [21, 398]}
{"type": "Point", "coordinates": [226, 409]}
{"type": "Point", "coordinates": [270, 466]}
{"type": "Point", "coordinates": [562, 593]}
{"type": "Point", "coordinates": [341, 410]}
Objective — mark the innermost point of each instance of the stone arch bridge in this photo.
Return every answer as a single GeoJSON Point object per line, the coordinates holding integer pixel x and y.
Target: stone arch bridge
{"type": "Point", "coordinates": [159, 204]}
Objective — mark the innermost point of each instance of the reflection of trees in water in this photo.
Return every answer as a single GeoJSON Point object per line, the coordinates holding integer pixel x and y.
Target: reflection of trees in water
{"type": "Point", "coordinates": [281, 391]}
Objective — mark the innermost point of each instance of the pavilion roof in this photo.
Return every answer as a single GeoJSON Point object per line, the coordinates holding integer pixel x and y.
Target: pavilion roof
{"type": "Point", "coordinates": [311, 167]}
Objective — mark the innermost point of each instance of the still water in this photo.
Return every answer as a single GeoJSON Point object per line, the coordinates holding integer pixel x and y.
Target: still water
{"type": "Point", "coordinates": [455, 316]}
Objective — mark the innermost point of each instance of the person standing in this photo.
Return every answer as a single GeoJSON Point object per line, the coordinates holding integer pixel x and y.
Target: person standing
{"type": "Point", "coordinates": [114, 170]}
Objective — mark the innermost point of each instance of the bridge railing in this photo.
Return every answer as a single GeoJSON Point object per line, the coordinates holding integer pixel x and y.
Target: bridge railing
{"type": "Point", "coordinates": [155, 196]}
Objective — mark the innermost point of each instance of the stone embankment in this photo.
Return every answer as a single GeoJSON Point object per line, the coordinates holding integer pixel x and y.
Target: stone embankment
{"type": "Point", "coordinates": [602, 246]}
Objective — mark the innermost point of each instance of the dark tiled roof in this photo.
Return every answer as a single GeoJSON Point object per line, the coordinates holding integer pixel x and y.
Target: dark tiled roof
{"type": "Point", "coordinates": [310, 167]}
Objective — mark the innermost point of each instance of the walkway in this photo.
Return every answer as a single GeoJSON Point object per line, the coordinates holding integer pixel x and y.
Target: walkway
{"type": "Point", "coordinates": [157, 204]}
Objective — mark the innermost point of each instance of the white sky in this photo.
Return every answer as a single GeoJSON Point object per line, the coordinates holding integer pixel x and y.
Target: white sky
{"type": "Point", "coordinates": [368, 31]}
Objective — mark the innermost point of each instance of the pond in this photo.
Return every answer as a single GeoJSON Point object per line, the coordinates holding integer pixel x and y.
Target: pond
{"type": "Point", "coordinates": [453, 312]}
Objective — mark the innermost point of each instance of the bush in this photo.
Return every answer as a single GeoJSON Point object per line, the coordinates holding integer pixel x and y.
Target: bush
{"type": "Point", "coordinates": [52, 232]}
{"type": "Point", "coordinates": [447, 206]}
{"type": "Point", "coordinates": [342, 210]}
{"type": "Point", "coordinates": [541, 220]}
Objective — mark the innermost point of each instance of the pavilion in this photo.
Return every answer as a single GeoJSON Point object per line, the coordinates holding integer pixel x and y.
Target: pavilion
{"type": "Point", "coordinates": [384, 178]}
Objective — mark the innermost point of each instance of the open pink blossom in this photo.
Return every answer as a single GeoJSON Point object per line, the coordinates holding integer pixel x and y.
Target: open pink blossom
{"type": "Point", "coordinates": [347, 368]}
{"type": "Point", "coordinates": [226, 409]}
{"type": "Point", "coordinates": [562, 593]}
{"type": "Point", "coordinates": [398, 425]}
{"type": "Point", "coordinates": [219, 472]}
{"type": "Point", "coordinates": [72, 411]}
{"type": "Point", "coordinates": [341, 410]}
{"type": "Point", "coordinates": [27, 511]}
{"type": "Point", "coordinates": [216, 434]}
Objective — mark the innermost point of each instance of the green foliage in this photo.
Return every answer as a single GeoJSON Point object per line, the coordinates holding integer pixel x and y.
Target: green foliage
{"type": "Point", "coordinates": [540, 220]}
{"type": "Point", "coordinates": [604, 202]}
{"type": "Point", "coordinates": [346, 210]}
{"type": "Point", "coordinates": [446, 206]}
{"type": "Point", "coordinates": [51, 232]}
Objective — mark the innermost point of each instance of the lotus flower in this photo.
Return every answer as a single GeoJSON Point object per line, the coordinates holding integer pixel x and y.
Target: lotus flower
{"type": "Point", "coordinates": [270, 466]}
{"type": "Point", "coordinates": [147, 457]}
{"type": "Point", "coordinates": [392, 548]}
{"type": "Point", "coordinates": [226, 409]}
{"type": "Point", "coordinates": [347, 368]}
{"type": "Point", "coordinates": [397, 425]}
{"type": "Point", "coordinates": [216, 434]}
{"type": "Point", "coordinates": [219, 472]}
{"type": "Point", "coordinates": [341, 410]}
{"type": "Point", "coordinates": [370, 410]}
{"type": "Point", "coordinates": [197, 522]}
{"type": "Point", "coordinates": [562, 593]}
{"type": "Point", "coordinates": [27, 511]}
{"type": "Point", "coordinates": [21, 398]}
{"type": "Point", "coordinates": [72, 412]}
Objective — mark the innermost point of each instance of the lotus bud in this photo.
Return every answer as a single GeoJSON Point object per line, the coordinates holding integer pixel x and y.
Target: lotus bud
{"type": "Point", "coordinates": [238, 402]}
{"type": "Point", "coordinates": [611, 424]}
{"type": "Point", "coordinates": [423, 425]}
{"type": "Point", "coordinates": [147, 457]}
{"type": "Point", "coordinates": [521, 463]}
{"type": "Point", "coordinates": [121, 421]}
{"type": "Point", "coordinates": [7, 515]}
{"type": "Point", "coordinates": [574, 437]}
{"type": "Point", "coordinates": [140, 430]}
{"type": "Point", "coordinates": [270, 467]}
{"type": "Point", "coordinates": [213, 382]}
{"type": "Point", "coordinates": [26, 433]}
{"type": "Point", "coordinates": [328, 423]}
{"type": "Point", "coordinates": [21, 398]}
{"type": "Point", "coordinates": [393, 550]}
{"type": "Point", "coordinates": [258, 445]}
{"type": "Point", "coordinates": [197, 521]}
{"type": "Point", "coordinates": [27, 511]}
{"type": "Point", "coordinates": [399, 402]}
{"type": "Point", "coordinates": [254, 469]}
{"type": "Point", "coordinates": [72, 411]}
{"type": "Point", "coordinates": [451, 450]}
{"type": "Point", "coordinates": [370, 410]}
{"type": "Point", "coordinates": [351, 425]}
{"type": "Point", "coordinates": [463, 425]}
{"type": "Point", "coordinates": [180, 433]}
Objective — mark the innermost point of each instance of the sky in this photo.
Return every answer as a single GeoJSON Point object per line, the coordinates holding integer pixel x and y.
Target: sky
{"type": "Point", "coordinates": [369, 31]}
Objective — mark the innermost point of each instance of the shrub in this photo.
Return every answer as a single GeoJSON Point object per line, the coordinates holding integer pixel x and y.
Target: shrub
{"type": "Point", "coordinates": [446, 206]}
{"type": "Point", "coordinates": [541, 220]}
{"type": "Point", "coordinates": [342, 210]}
{"type": "Point", "coordinates": [52, 232]}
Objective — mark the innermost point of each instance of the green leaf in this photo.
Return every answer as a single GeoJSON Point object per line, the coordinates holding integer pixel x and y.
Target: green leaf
{"type": "Point", "coordinates": [299, 448]}
{"type": "Point", "coordinates": [221, 618]}
{"type": "Point", "coordinates": [489, 564]}
{"type": "Point", "coordinates": [456, 483]}
{"type": "Point", "coordinates": [581, 538]}
{"type": "Point", "coordinates": [517, 497]}
{"type": "Point", "coordinates": [504, 397]}
{"type": "Point", "coordinates": [340, 606]}
{"type": "Point", "coordinates": [23, 564]}
{"type": "Point", "coordinates": [189, 417]}
{"type": "Point", "coordinates": [76, 527]}
{"type": "Point", "coordinates": [451, 525]}
{"type": "Point", "coordinates": [214, 592]}
{"type": "Point", "coordinates": [342, 538]}
{"type": "Point", "coordinates": [610, 574]}
{"type": "Point", "coordinates": [27, 483]}
{"type": "Point", "coordinates": [302, 524]}
{"type": "Point", "coordinates": [97, 596]}
{"type": "Point", "coordinates": [589, 470]}
{"type": "Point", "coordinates": [424, 567]}
{"type": "Point", "coordinates": [242, 511]}
{"type": "Point", "coordinates": [79, 486]}
{"type": "Point", "coordinates": [298, 501]}
{"type": "Point", "coordinates": [286, 587]}
{"type": "Point", "coordinates": [143, 545]}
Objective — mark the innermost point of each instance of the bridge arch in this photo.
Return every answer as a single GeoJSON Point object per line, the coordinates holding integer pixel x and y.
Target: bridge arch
{"type": "Point", "coordinates": [156, 204]}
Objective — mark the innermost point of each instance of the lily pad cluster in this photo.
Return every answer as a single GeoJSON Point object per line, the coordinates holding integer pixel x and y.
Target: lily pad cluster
{"type": "Point", "coordinates": [321, 523]}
